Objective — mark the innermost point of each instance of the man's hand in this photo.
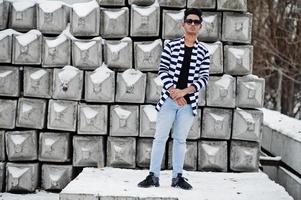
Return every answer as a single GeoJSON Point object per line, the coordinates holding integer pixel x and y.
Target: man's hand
{"type": "Point", "coordinates": [181, 101]}
{"type": "Point", "coordinates": [178, 93]}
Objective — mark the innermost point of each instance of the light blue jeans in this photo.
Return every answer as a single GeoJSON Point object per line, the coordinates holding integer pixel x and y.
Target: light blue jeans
{"type": "Point", "coordinates": [182, 118]}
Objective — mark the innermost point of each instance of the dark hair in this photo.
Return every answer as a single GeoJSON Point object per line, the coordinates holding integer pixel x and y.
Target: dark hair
{"type": "Point", "coordinates": [193, 11]}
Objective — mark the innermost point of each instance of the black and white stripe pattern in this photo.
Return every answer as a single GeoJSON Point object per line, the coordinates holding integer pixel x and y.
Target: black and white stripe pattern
{"type": "Point", "coordinates": [170, 66]}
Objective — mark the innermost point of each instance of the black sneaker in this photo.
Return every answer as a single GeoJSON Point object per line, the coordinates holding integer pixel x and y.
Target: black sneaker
{"type": "Point", "coordinates": [150, 180]}
{"type": "Point", "coordinates": [181, 182]}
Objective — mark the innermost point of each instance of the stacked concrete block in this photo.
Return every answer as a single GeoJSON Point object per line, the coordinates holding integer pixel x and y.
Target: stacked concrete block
{"type": "Point", "coordinates": [171, 27]}
{"type": "Point", "coordinates": [247, 125]}
{"type": "Point", "coordinates": [92, 119]}
{"type": "Point", "coordinates": [21, 177]}
{"type": "Point", "coordinates": [190, 162]}
{"type": "Point", "coordinates": [55, 177]}
{"type": "Point", "coordinates": [56, 52]}
{"type": "Point", "coordinates": [211, 29]}
{"type": "Point", "coordinates": [173, 4]}
{"type": "Point", "coordinates": [238, 59]}
{"type": "Point", "coordinates": [37, 82]}
{"type": "Point", "coordinates": [237, 27]}
{"type": "Point", "coordinates": [148, 119]}
{"type": "Point", "coordinates": [8, 110]}
{"type": "Point", "coordinates": [124, 120]}
{"type": "Point", "coordinates": [88, 151]}
{"type": "Point", "coordinates": [85, 19]}
{"type": "Point", "coordinates": [6, 37]}
{"type": "Point", "coordinates": [216, 57]}
{"type": "Point", "coordinates": [208, 4]}
{"type": "Point", "coordinates": [67, 83]}
{"type": "Point", "coordinates": [147, 55]}
{"type": "Point", "coordinates": [131, 86]}
{"type": "Point", "coordinates": [145, 20]}
{"type": "Point", "coordinates": [233, 5]}
{"type": "Point", "coordinates": [21, 145]}
{"type": "Point", "coordinates": [62, 115]}
{"type": "Point", "coordinates": [27, 48]}
{"type": "Point", "coordinates": [87, 54]}
{"type": "Point", "coordinates": [202, 97]}
{"type": "Point", "coordinates": [195, 131]}
{"type": "Point", "coordinates": [250, 91]}
{"type": "Point", "coordinates": [2, 175]}
{"type": "Point", "coordinates": [121, 152]}
{"type": "Point", "coordinates": [4, 11]}
{"type": "Point", "coordinates": [141, 2]}
{"type": "Point", "coordinates": [100, 85]}
{"type": "Point", "coordinates": [22, 15]}
{"type": "Point", "coordinates": [212, 156]}
{"type": "Point", "coordinates": [153, 88]}
{"type": "Point", "coordinates": [52, 17]}
{"type": "Point", "coordinates": [114, 22]}
{"type": "Point", "coordinates": [217, 123]}
{"type": "Point", "coordinates": [244, 156]}
{"type": "Point", "coordinates": [118, 54]}
{"type": "Point", "coordinates": [143, 154]}
{"type": "Point", "coordinates": [9, 81]}
{"type": "Point", "coordinates": [2, 147]}
{"type": "Point", "coordinates": [221, 91]}
{"type": "Point", "coordinates": [31, 113]}
{"type": "Point", "coordinates": [111, 2]}
{"type": "Point", "coordinates": [54, 147]}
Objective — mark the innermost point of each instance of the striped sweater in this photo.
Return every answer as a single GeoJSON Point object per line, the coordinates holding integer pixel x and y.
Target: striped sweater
{"type": "Point", "coordinates": [170, 66]}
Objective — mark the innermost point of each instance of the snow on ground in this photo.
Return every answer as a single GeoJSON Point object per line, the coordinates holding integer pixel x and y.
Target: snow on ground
{"type": "Point", "coordinates": [282, 123]}
{"type": "Point", "coordinates": [41, 195]}
{"type": "Point", "coordinates": [207, 185]}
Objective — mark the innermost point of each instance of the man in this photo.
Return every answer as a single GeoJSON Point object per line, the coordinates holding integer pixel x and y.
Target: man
{"type": "Point", "coordinates": [184, 71]}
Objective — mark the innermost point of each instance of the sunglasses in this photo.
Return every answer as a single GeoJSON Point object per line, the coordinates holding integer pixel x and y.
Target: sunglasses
{"type": "Point", "coordinates": [195, 21]}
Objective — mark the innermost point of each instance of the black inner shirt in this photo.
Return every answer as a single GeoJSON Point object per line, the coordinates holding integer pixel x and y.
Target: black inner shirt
{"type": "Point", "coordinates": [183, 77]}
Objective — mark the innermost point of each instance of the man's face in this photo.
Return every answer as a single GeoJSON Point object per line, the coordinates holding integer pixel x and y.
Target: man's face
{"type": "Point", "coordinates": [191, 24]}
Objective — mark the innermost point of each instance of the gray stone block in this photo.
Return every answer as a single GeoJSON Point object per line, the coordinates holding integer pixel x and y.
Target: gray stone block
{"type": "Point", "coordinates": [244, 156]}
{"type": "Point", "coordinates": [88, 151]}
{"type": "Point", "coordinates": [208, 4]}
{"type": "Point", "coordinates": [6, 41]}
{"type": "Point", "coordinates": [62, 115]}
{"type": "Point", "coordinates": [121, 152]}
{"type": "Point", "coordinates": [221, 91]}
{"type": "Point", "coordinates": [85, 19]}
{"type": "Point", "coordinates": [238, 59]}
{"type": "Point", "coordinates": [216, 57]}
{"type": "Point", "coordinates": [124, 120]}
{"type": "Point", "coordinates": [237, 27]}
{"type": "Point", "coordinates": [2, 148]}
{"type": "Point", "coordinates": [154, 87]}
{"type": "Point", "coordinates": [211, 29]}
{"type": "Point", "coordinates": [8, 110]}
{"type": "Point", "coordinates": [54, 147]}
{"type": "Point", "coordinates": [4, 13]}
{"type": "Point", "coordinates": [212, 156]}
{"type": "Point", "coordinates": [2, 175]}
{"type": "Point", "coordinates": [141, 2]}
{"type": "Point", "coordinates": [87, 54]}
{"type": "Point", "coordinates": [131, 86]}
{"type": "Point", "coordinates": [173, 3]}
{"type": "Point", "coordinates": [21, 177]}
{"type": "Point", "coordinates": [111, 2]}
{"type": "Point", "coordinates": [9, 81]}
{"type": "Point", "coordinates": [171, 25]}
{"type": "Point", "coordinates": [148, 118]}
{"type": "Point", "coordinates": [21, 145]}
{"type": "Point", "coordinates": [27, 48]}
{"type": "Point", "coordinates": [114, 22]}
{"type": "Point", "coordinates": [147, 55]}
{"type": "Point", "coordinates": [118, 54]}
{"type": "Point", "coordinates": [202, 97]}
{"type": "Point", "coordinates": [266, 140]}
{"type": "Point", "coordinates": [22, 15]}
{"type": "Point", "coordinates": [31, 113]}
{"type": "Point", "coordinates": [92, 119]}
{"type": "Point", "coordinates": [190, 162]}
{"type": "Point", "coordinates": [247, 125]}
{"type": "Point", "coordinates": [195, 131]}
{"type": "Point", "coordinates": [233, 5]}
{"type": "Point", "coordinates": [145, 20]}
{"type": "Point", "coordinates": [52, 17]}
{"type": "Point", "coordinates": [67, 83]}
{"type": "Point", "coordinates": [250, 91]}
{"type": "Point", "coordinates": [56, 51]}
{"type": "Point", "coordinates": [37, 82]}
{"type": "Point", "coordinates": [144, 150]}
{"type": "Point", "coordinates": [216, 123]}
{"type": "Point", "coordinates": [55, 177]}
{"type": "Point", "coordinates": [100, 85]}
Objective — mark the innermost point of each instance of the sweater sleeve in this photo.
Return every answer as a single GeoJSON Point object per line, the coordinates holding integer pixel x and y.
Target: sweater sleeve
{"type": "Point", "coordinates": [204, 73]}
{"type": "Point", "coordinates": [164, 67]}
